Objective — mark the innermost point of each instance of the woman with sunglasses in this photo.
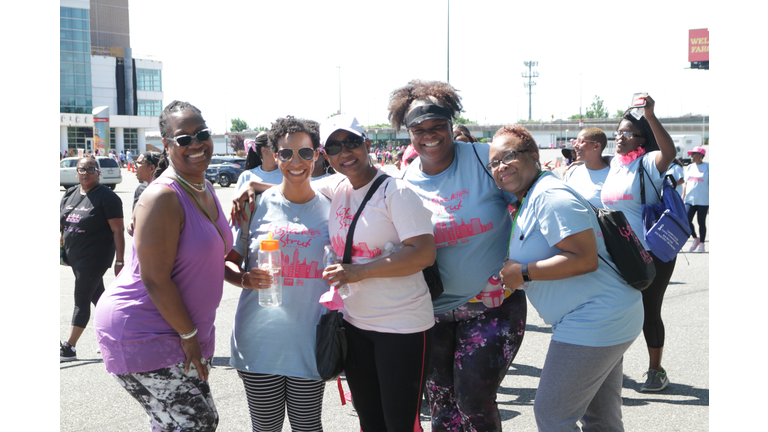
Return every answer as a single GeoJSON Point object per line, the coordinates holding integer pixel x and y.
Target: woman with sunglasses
{"type": "Point", "coordinates": [91, 223]}
{"type": "Point", "coordinates": [155, 323]}
{"type": "Point", "coordinates": [553, 255]}
{"type": "Point", "coordinates": [588, 173]}
{"type": "Point", "coordinates": [273, 348]}
{"type": "Point", "coordinates": [643, 141]}
{"type": "Point", "coordinates": [471, 222]}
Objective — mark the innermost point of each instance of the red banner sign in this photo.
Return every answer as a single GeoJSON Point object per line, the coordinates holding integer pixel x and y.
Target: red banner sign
{"type": "Point", "coordinates": [698, 45]}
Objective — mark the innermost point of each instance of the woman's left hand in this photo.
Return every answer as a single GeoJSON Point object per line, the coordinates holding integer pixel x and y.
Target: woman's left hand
{"type": "Point", "coordinates": [512, 275]}
{"type": "Point", "coordinates": [341, 274]}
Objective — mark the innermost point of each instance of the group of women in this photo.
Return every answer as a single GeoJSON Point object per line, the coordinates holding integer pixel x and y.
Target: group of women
{"type": "Point", "coordinates": [155, 326]}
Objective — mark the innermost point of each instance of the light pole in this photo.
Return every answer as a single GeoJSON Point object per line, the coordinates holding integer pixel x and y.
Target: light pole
{"type": "Point", "coordinates": [529, 85]}
{"type": "Point", "coordinates": [339, 67]}
{"type": "Point", "coordinates": [566, 138]}
{"type": "Point", "coordinates": [448, 47]}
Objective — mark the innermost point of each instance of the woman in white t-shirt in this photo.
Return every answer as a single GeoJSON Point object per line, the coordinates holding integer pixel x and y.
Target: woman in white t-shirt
{"type": "Point", "coordinates": [643, 141]}
{"type": "Point", "coordinates": [696, 196]}
{"type": "Point", "coordinates": [388, 314]}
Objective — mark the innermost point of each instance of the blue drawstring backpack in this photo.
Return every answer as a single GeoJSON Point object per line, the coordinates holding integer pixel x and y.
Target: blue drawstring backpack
{"type": "Point", "coordinates": [665, 223]}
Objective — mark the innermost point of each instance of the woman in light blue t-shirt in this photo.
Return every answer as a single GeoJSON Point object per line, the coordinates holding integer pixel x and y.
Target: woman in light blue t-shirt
{"type": "Point", "coordinates": [554, 255]}
{"type": "Point", "coordinates": [273, 348]}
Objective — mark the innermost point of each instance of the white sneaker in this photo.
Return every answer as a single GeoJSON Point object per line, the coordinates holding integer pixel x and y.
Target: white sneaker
{"type": "Point", "coordinates": [701, 248]}
{"type": "Point", "coordinates": [696, 243]}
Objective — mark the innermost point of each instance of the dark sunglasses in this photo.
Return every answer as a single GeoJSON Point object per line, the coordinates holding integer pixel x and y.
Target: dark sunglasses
{"type": "Point", "coordinates": [185, 140]}
{"type": "Point", "coordinates": [506, 159]}
{"type": "Point", "coordinates": [627, 135]}
{"type": "Point", "coordinates": [89, 170]}
{"type": "Point", "coordinates": [286, 154]}
{"type": "Point", "coordinates": [351, 142]}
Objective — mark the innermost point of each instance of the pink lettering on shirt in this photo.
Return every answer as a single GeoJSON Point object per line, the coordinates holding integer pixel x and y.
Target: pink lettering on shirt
{"type": "Point", "coordinates": [452, 232]}
{"type": "Point", "coordinates": [450, 204]}
{"type": "Point", "coordinates": [344, 216]}
{"type": "Point", "coordinates": [614, 197]}
{"type": "Point", "coordinates": [295, 236]}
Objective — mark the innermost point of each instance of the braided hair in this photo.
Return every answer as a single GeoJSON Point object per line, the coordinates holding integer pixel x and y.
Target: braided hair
{"type": "Point", "coordinates": [650, 143]}
{"type": "Point", "coordinates": [165, 129]}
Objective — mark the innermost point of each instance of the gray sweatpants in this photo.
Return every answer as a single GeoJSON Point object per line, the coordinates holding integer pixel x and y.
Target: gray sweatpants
{"type": "Point", "coordinates": [580, 383]}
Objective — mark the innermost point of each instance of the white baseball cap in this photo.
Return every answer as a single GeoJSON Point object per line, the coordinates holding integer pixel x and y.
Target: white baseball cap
{"type": "Point", "coordinates": [345, 122]}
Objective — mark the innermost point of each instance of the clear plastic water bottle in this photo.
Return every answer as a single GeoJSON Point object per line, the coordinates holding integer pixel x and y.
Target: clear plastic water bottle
{"type": "Point", "coordinates": [389, 247]}
{"type": "Point", "coordinates": [330, 258]}
{"type": "Point", "coordinates": [493, 293]}
{"type": "Point", "coordinates": [269, 260]}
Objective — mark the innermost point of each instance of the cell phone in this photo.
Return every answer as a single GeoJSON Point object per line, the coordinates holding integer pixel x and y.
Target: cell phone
{"type": "Point", "coordinates": [638, 100]}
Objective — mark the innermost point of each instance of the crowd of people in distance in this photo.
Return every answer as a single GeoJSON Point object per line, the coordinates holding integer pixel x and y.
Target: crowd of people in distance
{"type": "Point", "coordinates": [305, 183]}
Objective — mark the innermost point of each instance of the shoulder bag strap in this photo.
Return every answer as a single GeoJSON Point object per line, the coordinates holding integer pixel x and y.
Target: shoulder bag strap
{"type": "Point", "coordinates": [245, 231]}
{"type": "Point", "coordinates": [482, 165]}
{"type": "Point", "coordinates": [202, 209]}
{"type": "Point", "coordinates": [351, 232]}
{"type": "Point", "coordinates": [644, 173]}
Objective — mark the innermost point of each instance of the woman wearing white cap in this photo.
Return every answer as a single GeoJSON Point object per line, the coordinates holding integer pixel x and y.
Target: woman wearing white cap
{"type": "Point", "coordinates": [696, 196]}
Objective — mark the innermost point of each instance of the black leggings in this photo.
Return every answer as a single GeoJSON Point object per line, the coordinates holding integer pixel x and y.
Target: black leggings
{"type": "Point", "coordinates": [89, 286]}
{"type": "Point", "coordinates": [653, 296]}
{"type": "Point", "coordinates": [386, 373]}
{"type": "Point", "coordinates": [701, 218]}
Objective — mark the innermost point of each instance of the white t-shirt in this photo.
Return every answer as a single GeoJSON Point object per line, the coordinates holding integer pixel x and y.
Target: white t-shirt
{"type": "Point", "coordinates": [587, 182]}
{"type": "Point", "coordinates": [697, 184]}
{"type": "Point", "coordinates": [393, 214]}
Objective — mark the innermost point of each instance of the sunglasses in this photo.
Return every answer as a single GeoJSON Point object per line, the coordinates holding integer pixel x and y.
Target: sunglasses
{"type": "Point", "coordinates": [506, 159]}
{"type": "Point", "coordinates": [351, 142]}
{"type": "Point", "coordinates": [185, 140]}
{"type": "Point", "coordinates": [286, 154]}
{"type": "Point", "coordinates": [89, 170]}
{"type": "Point", "coordinates": [627, 135]}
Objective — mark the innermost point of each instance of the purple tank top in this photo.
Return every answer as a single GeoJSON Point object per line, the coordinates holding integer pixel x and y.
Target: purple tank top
{"type": "Point", "coordinates": [132, 334]}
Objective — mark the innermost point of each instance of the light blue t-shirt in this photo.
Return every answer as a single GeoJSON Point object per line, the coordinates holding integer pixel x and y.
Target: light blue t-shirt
{"type": "Point", "coordinates": [621, 190]}
{"type": "Point", "coordinates": [587, 182]}
{"type": "Point", "coordinates": [697, 184]}
{"type": "Point", "coordinates": [594, 309]}
{"type": "Point", "coordinates": [676, 171]}
{"type": "Point", "coordinates": [471, 219]}
{"type": "Point", "coordinates": [258, 174]}
{"type": "Point", "coordinates": [281, 340]}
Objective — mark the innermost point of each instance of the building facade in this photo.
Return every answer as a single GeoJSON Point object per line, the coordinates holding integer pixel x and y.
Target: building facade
{"type": "Point", "coordinates": [108, 98]}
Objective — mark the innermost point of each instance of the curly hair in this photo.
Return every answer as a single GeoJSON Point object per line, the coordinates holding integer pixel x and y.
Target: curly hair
{"type": "Point", "coordinates": [434, 92]}
{"type": "Point", "coordinates": [521, 133]}
{"type": "Point", "coordinates": [165, 129]}
{"type": "Point", "coordinates": [290, 124]}
{"type": "Point", "coordinates": [645, 129]}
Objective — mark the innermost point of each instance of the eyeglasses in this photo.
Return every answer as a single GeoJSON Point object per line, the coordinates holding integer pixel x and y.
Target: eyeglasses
{"type": "Point", "coordinates": [506, 159]}
{"type": "Point", "coordinates": [351, 142]}
{"type": "Point", "coordinates": [286, 154]}
{"type": "Point", "coordinates": [89, 170]}
{"type": "Point", "coordinates": [142, 162]}
{"type": "Point", "coordinates": [627, 135]}
{"type": "Point", "coordinates": [185, 140]}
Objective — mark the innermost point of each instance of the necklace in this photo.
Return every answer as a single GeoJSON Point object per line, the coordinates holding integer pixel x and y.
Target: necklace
{"type": "Point", "coordinates": [296, 218]}
{"type": "Point", "coordinates": [199, 187]}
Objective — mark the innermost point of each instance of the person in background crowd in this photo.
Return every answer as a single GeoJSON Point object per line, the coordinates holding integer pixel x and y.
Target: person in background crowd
{"type": "Point", "coordinates": [553, 255]}
{"type": "Point", "coordinates": [267, 171]}
{"type": "Point", "coordinates": [273, 348]}
{"type": "Point", "coordinates": [588, 177]}
{"type": "Point", "coordinates": [146, 164]}
{"type": "Point", "coordinates": [696, 196]}
{"type": "Point", "coordinates": [122, 159]}
{"type": "Point", "coordinates": [155, 323]}
{"type": "Point", "coordinates": [399, 158]}
{"type": "Point", "coordinates": [129, 160]}
{"type": "Point", "coordinates": [461, 133]}
{"type": "Point", "coordinates": [464, 374]}
{"type": "Point", "coordinates": [645, 141]}
{"type": "Point", "coordinates": [676, 171]}
{"type": "Point", "coordinates": [91, 222]}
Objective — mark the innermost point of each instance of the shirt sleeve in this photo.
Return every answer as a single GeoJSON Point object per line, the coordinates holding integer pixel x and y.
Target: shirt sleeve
{"type": "Point", "coordinates": [112, 205]}
{"type": "Point", "coordinates": [561, 215]}
{"type": "Point", "coordinates": [408, 214]}
{"type": "Point", "coordinates": [327, 186]}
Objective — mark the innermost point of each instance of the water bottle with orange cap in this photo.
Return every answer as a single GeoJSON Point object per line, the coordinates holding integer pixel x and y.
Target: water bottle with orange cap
{"type": "Point", "coordinates": [269, 260]}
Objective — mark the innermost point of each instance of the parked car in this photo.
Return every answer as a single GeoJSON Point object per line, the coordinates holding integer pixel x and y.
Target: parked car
{"type": "Point", "coordinates": [224, 170]}
{"type": "Point", "coordinates": [110, 172]}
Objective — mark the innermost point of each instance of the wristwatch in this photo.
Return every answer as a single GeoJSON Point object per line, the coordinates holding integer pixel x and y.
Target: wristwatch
{"type": "Point", "coordinates": [524, 269]}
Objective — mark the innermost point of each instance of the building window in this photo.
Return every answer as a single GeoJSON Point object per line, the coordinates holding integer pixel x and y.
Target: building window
{"type": "Point", "coordinates": [75, 61]}
{"type": "Point", "coordinates": [131, 140]}
{"type": "Point", "coordinates": [77, 136]}
{"type": "Point", "coordinates": [150, 107]}
{"type": "Point", "coordinates": [149, 79]}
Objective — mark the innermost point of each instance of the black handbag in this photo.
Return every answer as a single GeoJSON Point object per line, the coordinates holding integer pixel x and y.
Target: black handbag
{"type": "Point", "coordinates": [634, 263]}
{"type": "Point", "coordinates": [331, 346]}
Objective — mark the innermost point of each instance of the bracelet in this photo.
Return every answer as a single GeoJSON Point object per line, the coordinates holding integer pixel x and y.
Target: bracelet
{"type": "Point", "coordinates": [242, 280]}
{"type": "Point", "coordinates": [119, 262]}
{"type": "Point", "coordinates": [189, 335]}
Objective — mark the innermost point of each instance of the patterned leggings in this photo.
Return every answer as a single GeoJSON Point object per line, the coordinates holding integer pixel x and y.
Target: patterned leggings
{"type": "Point", "coordinates": [173, 399]}
{"type": "Point", "coordinates": [269, 395]}
{"type": "Point", "coordinates": [472, 348]}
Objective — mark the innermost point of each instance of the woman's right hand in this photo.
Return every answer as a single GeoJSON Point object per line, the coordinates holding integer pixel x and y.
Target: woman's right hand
{"type": "Point", "coordinates": [256, 279]}
{"type": "Point", "coordinates": [194, 355]}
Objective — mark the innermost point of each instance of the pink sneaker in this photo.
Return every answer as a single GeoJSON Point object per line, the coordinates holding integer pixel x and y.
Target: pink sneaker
{"type": "Point", "coordinates": [696, 243]}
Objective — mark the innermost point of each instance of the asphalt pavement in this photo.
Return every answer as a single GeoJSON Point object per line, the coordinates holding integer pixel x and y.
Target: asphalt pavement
{"type": "Point", "coordinates": [92, 400]}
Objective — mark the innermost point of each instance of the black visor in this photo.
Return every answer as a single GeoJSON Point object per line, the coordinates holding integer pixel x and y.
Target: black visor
{"type": "Point", "coordinates": [426, 112]}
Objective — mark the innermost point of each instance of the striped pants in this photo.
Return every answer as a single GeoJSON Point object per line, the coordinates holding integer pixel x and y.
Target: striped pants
{"type": "Point", "coordinates": [268, 396]}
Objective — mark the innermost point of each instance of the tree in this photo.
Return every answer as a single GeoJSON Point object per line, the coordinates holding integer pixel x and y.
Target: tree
{"type": "Point", "coordinates": [237, 142]}
{"type": "Point", "coordinates": [238, 125]}
{"type": "Point", "coordinates": [462, 120]}
{"type": "Point", "coordinates": [595, 111]}
{"type": "Point", "coordinates": [619, 113]}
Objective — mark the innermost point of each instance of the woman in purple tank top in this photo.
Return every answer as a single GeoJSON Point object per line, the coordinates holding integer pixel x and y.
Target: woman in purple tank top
{"type": "Point", "coordinates": [154, 324]}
